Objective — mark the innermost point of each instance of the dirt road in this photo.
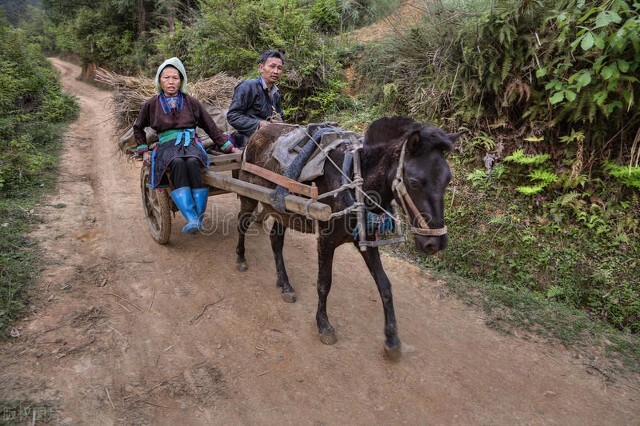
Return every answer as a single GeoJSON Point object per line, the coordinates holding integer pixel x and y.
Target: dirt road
{"type": "Point", "coordinates": [125, 331]}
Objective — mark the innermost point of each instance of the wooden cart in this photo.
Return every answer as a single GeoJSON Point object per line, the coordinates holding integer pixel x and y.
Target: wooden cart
{"type": "Point", "coordinates": [158, 205]}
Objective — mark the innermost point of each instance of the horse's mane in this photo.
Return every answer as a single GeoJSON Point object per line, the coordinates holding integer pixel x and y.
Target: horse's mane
{"type": "Point", "coordinates": [389, 132]}
{"type": "Point", "coordinates": [382, 142]}
{"type": "Point", "coordinates": [387, 129]}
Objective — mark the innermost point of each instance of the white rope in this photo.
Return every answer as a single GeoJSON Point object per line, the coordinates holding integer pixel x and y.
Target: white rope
{"type": "Point", "coordinates": [352, 183]}
{"type": "Point", "coordinates": [357, 185]}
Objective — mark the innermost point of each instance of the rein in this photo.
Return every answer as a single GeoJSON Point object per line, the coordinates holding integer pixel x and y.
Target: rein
{"type": "Point", "coordinates": [400, 191]}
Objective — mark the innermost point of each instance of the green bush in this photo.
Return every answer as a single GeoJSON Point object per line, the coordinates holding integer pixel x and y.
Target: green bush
{"type": "Point", "coordinates": [547, 92]}
{"type": "Point", "coordinates": [500, 238]}
{"type": "Point", "coordinates": [231, 36]}
{"type": "Point", "coordinates": [326, 15]}
{"type": "Point", "coordinates": [34, 109]}
{"type": "Point", "coordinates": [524, 69]}
{"type": "Point", "coordinates": [33, 103]}
{"type": "Point", "coordinates": [334, 16]}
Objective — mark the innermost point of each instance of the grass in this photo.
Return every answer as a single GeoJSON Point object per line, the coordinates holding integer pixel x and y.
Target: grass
{"type": "Point", "coordinates": [526, 312]}
{"type": "Point", "coordinates": [19, 260]}
{"type": "Point", "coordinates": [20, 263]}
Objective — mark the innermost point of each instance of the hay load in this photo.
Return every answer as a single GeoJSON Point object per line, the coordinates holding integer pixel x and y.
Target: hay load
{"type": "Point", "coordinates": [129, 93]}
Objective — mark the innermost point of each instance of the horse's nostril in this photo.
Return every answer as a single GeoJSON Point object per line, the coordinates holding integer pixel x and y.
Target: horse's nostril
{"type": "Point", "coordinates": [431, 245]}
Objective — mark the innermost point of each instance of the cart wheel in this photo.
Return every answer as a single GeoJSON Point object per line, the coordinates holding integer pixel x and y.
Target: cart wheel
{"type": "Point", "coordinates": [157, 208]}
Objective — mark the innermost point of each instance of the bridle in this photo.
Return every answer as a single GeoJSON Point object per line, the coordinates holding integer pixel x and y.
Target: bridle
{"type": "Point", "coordinates": [407, 204]}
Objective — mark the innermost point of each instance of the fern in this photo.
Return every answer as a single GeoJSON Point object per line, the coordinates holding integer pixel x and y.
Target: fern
{"type": "Point", "coordinates": [478, 178]}
{"type": "Point", "coordinates": [519, 157]}
{"type": "Point", "coordinates": [574, 136]}
{"type": "Point", "coordinates": [545, 177]}
{"type": "Point", "coordinates": [483, 140]}
{"type": "Point", "coordinates": [506, 67]}
{"type": "Point", "coordinates": [476, 175]}
{"type": "Point", "coordinates": [569, 198]}
{"type": "Point", "coordinates": [530, 190]}
{"type": "Point", "coordinates": [628, 175]}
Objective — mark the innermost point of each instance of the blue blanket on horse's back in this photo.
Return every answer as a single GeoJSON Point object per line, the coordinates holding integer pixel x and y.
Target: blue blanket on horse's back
{"type": "Point", "coordinates": [288, 146]}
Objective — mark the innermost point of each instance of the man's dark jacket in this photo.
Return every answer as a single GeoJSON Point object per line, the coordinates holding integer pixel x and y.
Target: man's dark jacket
{"type": "Point", "coordinates": [251, 103]}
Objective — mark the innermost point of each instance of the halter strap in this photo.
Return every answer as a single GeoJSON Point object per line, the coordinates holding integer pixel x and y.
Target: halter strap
{"type": "Point", "coordinates": [407, 203]}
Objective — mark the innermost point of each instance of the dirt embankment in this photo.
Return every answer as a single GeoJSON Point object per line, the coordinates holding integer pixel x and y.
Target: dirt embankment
{"type": "Point", "coordinates": [124, 331]}
{"type": "Point", "coordinates": [405, 16]}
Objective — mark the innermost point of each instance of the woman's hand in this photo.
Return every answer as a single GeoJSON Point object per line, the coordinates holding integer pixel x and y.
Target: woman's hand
{"type": "Point", "coordinates": [146, 158]}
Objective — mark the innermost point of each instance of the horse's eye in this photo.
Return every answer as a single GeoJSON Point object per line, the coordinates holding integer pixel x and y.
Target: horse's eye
{"type": "Point", "coordinates": [414, 183]}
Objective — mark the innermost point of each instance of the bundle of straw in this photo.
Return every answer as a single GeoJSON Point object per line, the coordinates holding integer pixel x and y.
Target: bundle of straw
{"type": "Point", "coordinates": [129, 93]}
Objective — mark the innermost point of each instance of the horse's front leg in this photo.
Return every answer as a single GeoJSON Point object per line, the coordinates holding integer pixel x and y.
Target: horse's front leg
{"type": "Point", "coordinates": [277, 243]}
{"type": "Point", "coordinates": [392, 344]}
{"type": "Point", "coordinates": [245, 216]}
{"type": "Point", "coordinates": [326, 250]}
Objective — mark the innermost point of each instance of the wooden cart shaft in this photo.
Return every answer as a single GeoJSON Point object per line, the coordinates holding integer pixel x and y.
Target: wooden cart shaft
{"type": "Point", "coordinates": [293, 203]}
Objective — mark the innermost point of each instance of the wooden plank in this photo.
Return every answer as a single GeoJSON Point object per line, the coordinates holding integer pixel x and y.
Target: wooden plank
{"type": "Point", "coordinates": [217, 191]}
{"type": "Point", "coordinates": [293, 203]}
{"type": "Point", "coordinates": [292, 185]}
{"type": "Point", "coordinates": [235, 157]}
{"type": "Point", "coordinates": [225, 167]}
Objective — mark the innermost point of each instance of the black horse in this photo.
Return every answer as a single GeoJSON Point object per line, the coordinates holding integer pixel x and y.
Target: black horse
{"type": "Point", "coordinates": [400, 159]}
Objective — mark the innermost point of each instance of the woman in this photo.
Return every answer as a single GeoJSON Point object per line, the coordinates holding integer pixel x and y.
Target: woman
{"type": "Point", "coordinates": [174, 115]}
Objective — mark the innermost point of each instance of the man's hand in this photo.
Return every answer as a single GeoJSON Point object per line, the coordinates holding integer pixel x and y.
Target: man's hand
{"type": "Point", "coordinates": [146, 158]}
{"type": "Point", "coordinates": [275, 118]}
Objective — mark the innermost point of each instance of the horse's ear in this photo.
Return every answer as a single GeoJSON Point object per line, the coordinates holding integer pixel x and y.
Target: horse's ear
{"type": "Point", "coordinates": [447, 145]}
{"type": "Point", "coordinates": [414, 143]}
{"type": "Point", "coordinates": [454, 136]}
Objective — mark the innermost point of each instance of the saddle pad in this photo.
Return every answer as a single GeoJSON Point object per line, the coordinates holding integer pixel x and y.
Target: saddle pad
{"type": "Point", "coordinates": [286, 148]}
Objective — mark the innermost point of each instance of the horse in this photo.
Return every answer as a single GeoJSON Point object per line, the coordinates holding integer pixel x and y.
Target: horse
{"type": "Point", "coordinates": [396, 150]}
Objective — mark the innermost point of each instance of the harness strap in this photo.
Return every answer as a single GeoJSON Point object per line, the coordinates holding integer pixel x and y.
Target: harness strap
{"type": "Point", "coordinates": [408, 205]}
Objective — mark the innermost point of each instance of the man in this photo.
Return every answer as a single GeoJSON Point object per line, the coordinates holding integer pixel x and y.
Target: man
{"type": "Point", "coordinates": [256, 102]}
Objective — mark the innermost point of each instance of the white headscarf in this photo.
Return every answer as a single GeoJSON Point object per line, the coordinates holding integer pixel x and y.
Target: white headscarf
{"type": "Point", "coordinates": [176, 63]}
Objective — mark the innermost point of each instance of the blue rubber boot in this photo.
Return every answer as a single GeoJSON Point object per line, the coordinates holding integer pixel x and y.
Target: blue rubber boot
{"type": "Point", "coordinates": [200, 196]}
{"type": "Point", "coordinates": [184, 200]}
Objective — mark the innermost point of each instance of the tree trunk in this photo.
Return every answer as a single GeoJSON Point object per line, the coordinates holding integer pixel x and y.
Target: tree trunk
{"type": "Point", "coordinates": [142, 17]}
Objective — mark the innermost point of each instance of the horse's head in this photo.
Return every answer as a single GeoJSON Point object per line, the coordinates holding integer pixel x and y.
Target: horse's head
{"type": "Point", "coordinates": [419, 183]}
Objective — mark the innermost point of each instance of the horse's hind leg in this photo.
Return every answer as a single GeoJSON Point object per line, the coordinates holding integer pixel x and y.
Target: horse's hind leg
{"type": "Point", "coordinates": [392, 344]}
{"type": "Point", "coordinates": [245, 216]}
{"type": "Point", "coordinates": [277, 243]}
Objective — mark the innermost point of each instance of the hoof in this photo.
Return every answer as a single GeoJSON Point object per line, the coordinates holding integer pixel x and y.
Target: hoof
{"type": "Point", "coordinates": [242, 266]}
{"type": "Point", "coordinates": [328, 337]}
{"type": "Point", "coordinates": [393, 353]}
{"type": "Point", "coordinates": [289, 297]}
